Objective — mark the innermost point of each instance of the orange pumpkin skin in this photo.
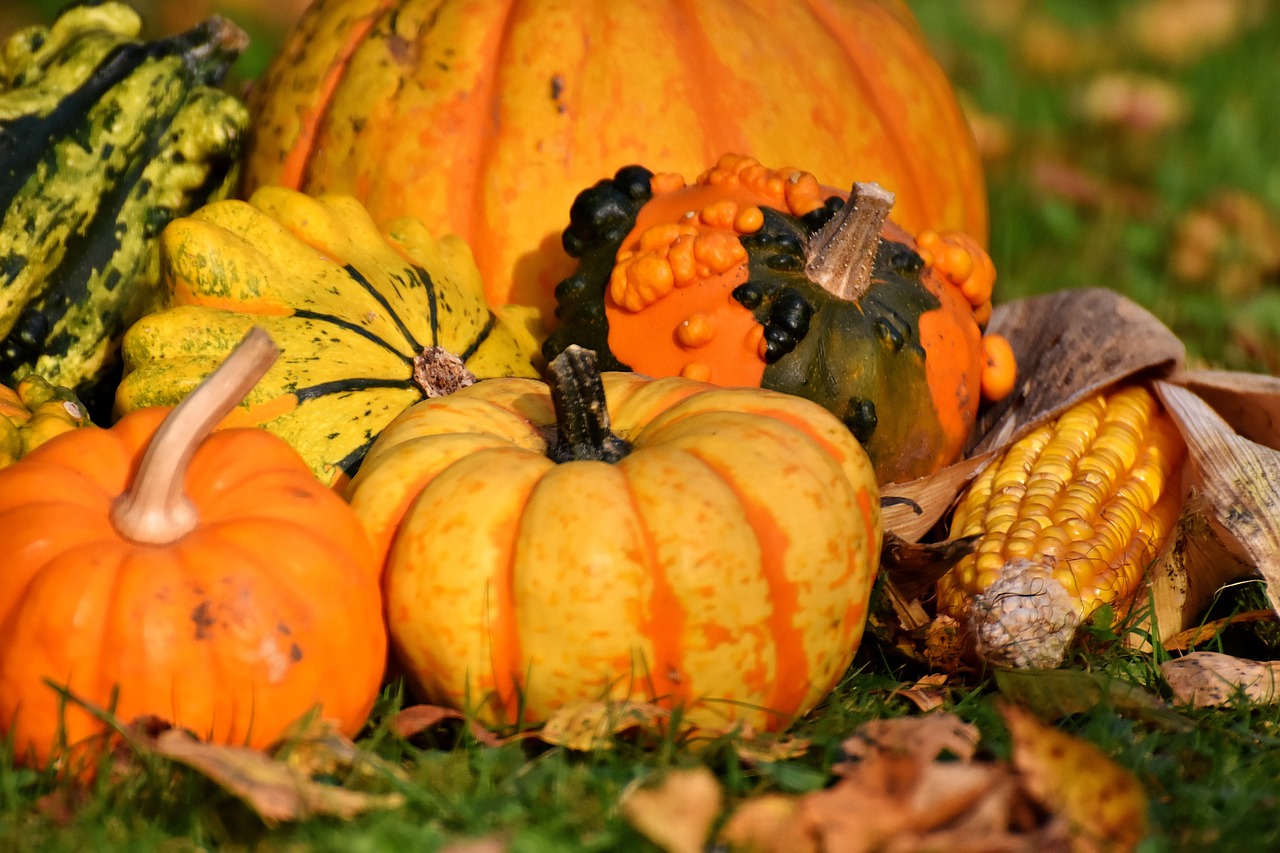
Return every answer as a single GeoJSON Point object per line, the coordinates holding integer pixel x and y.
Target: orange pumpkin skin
{"type": "Point", "coordinates": [485, 119]}
{"type": "Point", "coordinates": [724, 565]}
{"type": "Point", "coordinates": [268, 609]}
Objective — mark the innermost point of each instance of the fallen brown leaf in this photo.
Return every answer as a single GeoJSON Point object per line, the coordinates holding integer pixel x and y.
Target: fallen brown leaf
{"type": "Point", "coordinates": [416, 719]}
{"type": "Point", "coordinates": [1212, 679]}
{"type": "Point", "coordinates": [1137, 103]}
{"type": "Point", "coordinates": [593, 725]}
{"type": "Point", "coordinates": [769, 824]}
{"type": "Point", "coordinates": [273, 789]}
{"type": "Point", "coordinates": [927, 694]}
{"type": "Point", "coordinates": [923, 738]}
{"type": "Point", "coordinates": [676, 813]}
{"type": "Point", "coordinates": [763, 748]}
{"type": "Point", "coordinates": [1104, 804]}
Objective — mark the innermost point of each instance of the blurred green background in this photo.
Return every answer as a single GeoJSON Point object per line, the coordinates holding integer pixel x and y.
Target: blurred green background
{"type": "Point", "coordinates": [1133, 144]}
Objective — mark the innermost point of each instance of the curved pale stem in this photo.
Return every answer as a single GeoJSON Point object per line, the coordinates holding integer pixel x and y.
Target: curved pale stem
{"type": "Point", "coordinates": [155, 510]}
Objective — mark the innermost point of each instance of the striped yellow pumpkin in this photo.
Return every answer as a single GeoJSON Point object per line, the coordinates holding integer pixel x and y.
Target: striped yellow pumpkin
{"type": "Point", "coordinates": [363, 316]}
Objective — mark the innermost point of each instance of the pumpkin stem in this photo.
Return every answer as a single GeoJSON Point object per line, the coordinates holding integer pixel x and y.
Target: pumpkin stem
{"type": "Point", "coordinates": [155, 510]}
{"type": "Point", "coordinates": [439, 372]}
{"type": "Point", "coordinates": [841, 255]}
{"type": "Point", "coordinates": [582, 415]}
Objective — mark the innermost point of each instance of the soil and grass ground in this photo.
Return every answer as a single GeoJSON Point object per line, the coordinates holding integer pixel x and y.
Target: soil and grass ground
{"type": "Point", "coordinates": [1137, 153]}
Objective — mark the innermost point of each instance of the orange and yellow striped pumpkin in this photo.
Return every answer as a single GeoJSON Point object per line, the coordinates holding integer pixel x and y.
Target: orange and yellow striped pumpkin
{"type": "Point", "coordinates": [485, 119]}
{"type": "Point", "coordinates": [705, 547]}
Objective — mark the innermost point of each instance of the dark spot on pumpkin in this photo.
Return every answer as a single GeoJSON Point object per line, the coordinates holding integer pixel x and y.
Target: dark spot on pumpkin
{"type": "Point", "coordinates": [861, 419]}
{"type": "Point", "coordinates": [203, 620]}
{"type": "Point", "coordinates": [295, 652]}
{"type": "Point", "coordinates": [557, 89]}
{"type": "Point", "coordinates": [283, 629]}
{"type": "Point", "coordinates": [400, 48]}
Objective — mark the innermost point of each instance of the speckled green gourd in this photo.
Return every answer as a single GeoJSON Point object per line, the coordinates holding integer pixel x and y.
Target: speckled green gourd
{"type": "Point", "coordinates": [104, 138]}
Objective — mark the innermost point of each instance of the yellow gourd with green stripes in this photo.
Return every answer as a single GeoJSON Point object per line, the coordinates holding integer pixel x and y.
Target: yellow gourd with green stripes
{"type": "Point", "coordinates": [363, 316]}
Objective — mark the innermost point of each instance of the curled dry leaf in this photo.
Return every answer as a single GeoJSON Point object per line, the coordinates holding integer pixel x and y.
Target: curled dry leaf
{"type": "Point", "coordinates": [416, 719]}
{"type": "Point", "coordinates": [273, 789]}
{"type": "Point", "coordinates": [1192, 637]}
{"type": "Point", "coordinates": [1104, 804]}
{"type": "Point", "coordinates": [676, 813]}
{"type": "Point", "coordinates": [923, 738]}
{"type": "Point", "coordinates": [593, 725]}
{"type": "Point", "coordinates": [927, 694]}
{"type": "Point", "coordinates": [1212, 679]}
{"type": "Point", "coordinates": [1238, 483]}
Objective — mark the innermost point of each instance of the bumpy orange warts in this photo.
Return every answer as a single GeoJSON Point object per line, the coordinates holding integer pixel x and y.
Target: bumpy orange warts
{"type": "Point", "coordinates": [704, 245]}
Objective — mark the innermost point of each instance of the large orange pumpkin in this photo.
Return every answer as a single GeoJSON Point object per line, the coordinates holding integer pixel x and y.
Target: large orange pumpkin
{"type": "Point", "coordinates": [485, 119]}
{"type": "Point", "coordinates": [211, 582]}
{"type": "Point", "coordinates": [620, 536]}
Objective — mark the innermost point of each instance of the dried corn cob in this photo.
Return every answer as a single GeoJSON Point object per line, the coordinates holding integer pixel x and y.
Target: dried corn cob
{"type": "Point", "coordinates": [1068, 520]}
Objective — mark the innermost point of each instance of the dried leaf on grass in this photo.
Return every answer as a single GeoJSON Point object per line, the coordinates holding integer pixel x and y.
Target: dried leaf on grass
{"type": "Point", "coordinates": [1054, 693]}
{"type": "Point", "coordinates": [1103, 804]}
{"type": "Point", "coordinates": [274, 790]}
{"type": "Point", "coordinates": [928, 693]}
{"type": "Point", "coordinates": [416, 719]}
{"type": "Point", "coordinates": [916, 783]}
{"type": "Point", "coordinates": [593, 725]}
{"type": "Point", "coordinates": [1212, 679]}
{"type": "Point", "coordinates": [676, 813]}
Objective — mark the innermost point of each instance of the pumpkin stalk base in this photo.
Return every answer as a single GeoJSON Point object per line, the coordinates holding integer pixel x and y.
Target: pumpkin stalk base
{"type": "Point", "coordinates": [439, 372]}
{"type": "Point", "coordinates": [155, 510]}
{"type": "Point", "coordinates": [582, 415]}
{"type": "Point", "coordinates": [840, 257]}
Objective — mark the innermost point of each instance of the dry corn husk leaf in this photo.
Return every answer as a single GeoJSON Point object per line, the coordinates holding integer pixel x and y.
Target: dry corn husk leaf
{"type": "Point", "coordinates": [1212, 679]}
{"type": "Point", "coordinates": [1067, 345]}
{"type": "Point", "coordinates": [590, 726]}
{"type": "Point", "coordinates": [1236, 485]}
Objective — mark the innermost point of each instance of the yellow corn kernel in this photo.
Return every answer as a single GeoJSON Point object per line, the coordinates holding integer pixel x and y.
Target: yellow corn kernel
{"type": "Point", "coordinates": [1068, 519]}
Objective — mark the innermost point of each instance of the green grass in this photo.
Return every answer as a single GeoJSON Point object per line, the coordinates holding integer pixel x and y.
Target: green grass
{"type": "Point", "coordinates": [1211, 785]}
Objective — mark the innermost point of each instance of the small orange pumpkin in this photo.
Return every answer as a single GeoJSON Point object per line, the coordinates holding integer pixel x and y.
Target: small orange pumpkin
{"type": "Point", "coordinates": [619, 536]}
{"type": "Point", "coordinates": [213, 581]}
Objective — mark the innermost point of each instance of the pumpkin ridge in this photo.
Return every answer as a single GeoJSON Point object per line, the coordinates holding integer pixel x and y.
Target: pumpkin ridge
{"type": "Point", "coordinates": [788, 642]}
{"type": "Point", "coordinates": [479, 236]}
{"type": "Point", "coordinates": [381, 299]}
{"type": "Point", "coordinates": [665, 610]}
{"type": "Point", "coordinates": [347, 326]}
{"type": "Point", "coordinates": [358, 383]}
{"type": "Point", "coordinates": [481, 336]}
{"type": "Point", "coordinates": [692, 45]}
{"type": "Point", "coordinates": [296, 167]}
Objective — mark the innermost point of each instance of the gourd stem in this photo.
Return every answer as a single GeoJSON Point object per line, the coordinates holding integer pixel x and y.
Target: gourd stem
{"type": "Point", "coordinates": [439, 372]}
{"type": "Point", "coordinates": [842, 254]}
{"type": "Point", "coordinates": [155, 510]}
{"type": "Point", "coordinates": [582, 415]}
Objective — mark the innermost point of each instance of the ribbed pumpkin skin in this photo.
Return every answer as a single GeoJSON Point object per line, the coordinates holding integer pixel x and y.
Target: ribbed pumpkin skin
{"type": "Point", "coordinates": [268, 608]}
{"type": "Point", "coordinates": [104, 138]}
{"type": "Point", "coordinates": [728, 558]}
{"type": "Point", "coordinates": [32, 412]}
{"type": "Point", "coordinates": [351, 304]}
{"type": "Point", "coordinates": [484, 119]}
